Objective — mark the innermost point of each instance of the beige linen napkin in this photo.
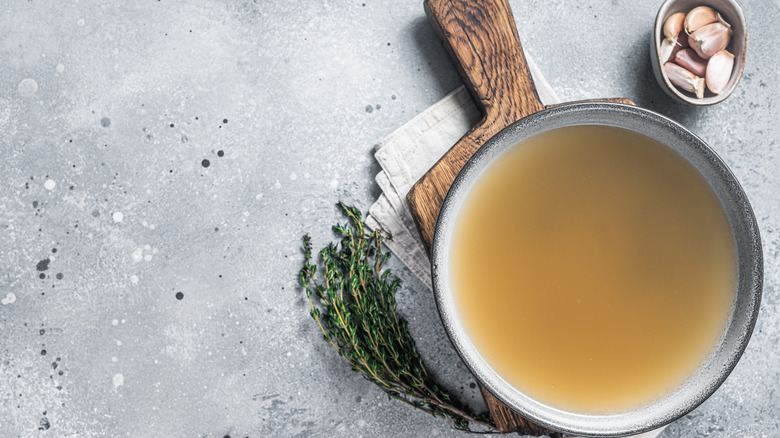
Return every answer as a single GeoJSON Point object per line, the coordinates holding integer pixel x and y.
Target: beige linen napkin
{"type": "Point", "coordinates": [406, 154]}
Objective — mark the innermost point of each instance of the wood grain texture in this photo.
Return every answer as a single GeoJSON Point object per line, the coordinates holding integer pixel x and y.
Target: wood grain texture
{"type": "Point", "coordinates": [481, 38]}
{"type": "Point", "coordinates": [508, 420]}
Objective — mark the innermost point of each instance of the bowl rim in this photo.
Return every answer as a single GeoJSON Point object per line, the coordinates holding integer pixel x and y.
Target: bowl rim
{"type": "Point", "coordinates": [673, 405]}
{"type": "Point", "coordinates": [656, 54]}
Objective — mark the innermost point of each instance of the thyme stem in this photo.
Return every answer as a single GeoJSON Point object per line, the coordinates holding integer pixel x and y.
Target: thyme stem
{"type": "Point", "coordinates": [354, 307]}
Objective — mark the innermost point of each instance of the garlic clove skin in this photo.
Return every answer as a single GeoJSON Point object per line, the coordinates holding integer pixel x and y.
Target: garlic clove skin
{"type": "Point", "coordinates": [668, 50]}
{"type": "Point", "coordinates": [673, 26]}
{"type": "Point", "coordinates": [710, 39]}
{"type": "Point", "coordinates": [719, 71]}
{"type": "Point", "coordinates": [689, 60]}
{"type": "Point", "coordinates": [684, 79]}
{"type": "Point", "coordinates": [698, 18]}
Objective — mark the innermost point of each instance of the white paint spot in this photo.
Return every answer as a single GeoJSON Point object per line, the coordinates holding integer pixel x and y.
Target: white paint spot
{"type": "Point", "coordinates": [114, 322]}
{"type": "Point", "coordinates": [148, 257]}
{"type": "Point", "coordinates": [119, 380]}
{"type": "Point", "coordinates": [277, 185]}
{"type": "Point", "coordinates": [80, 22]}
{"type": "Point", "coordinates": [49, 184]}
{"type": "Point", "coordinates": [114, 359]}
{"type": "Point", "coordinates": [293, 176]}
{"type": "Point", "coordinates": [60, 68]}
{"type": "Point", "coordinates": [10, 298]}
{"type": "Point", "coordinates": [138, 254]}
{"type": "Point", "coordinates": [289, 354]}
{"type": "Point", "coordinates": [27, 87]}
{"type": "Point", "coordinates": [147, 247]}
{"type": "Point", "coordinates": [118, 216]}
{"type": "Point", "coordinates": [152, 226]}
{"type": "Point", "coordinates": [334, 183]}
{"type": "Point", "coordinates": [259, 196]}
{"type": "Point", "coordinates": [134, 279]}
{"type": "Point", "coordinates": [119, 343]}
{"type": "Point", "coordinates": [306, 175]}
{"type": "Point", "coordinates": [361, 423]}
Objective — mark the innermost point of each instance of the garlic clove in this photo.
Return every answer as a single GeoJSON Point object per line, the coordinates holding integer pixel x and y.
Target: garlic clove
{"type": "Point", "coordinates": [668, 50]}
{"type": "Point", "coordinates": [682, 40]}
{"type": "Point", "coordinates": [719, 71]}
{"type": "Point", "coordinates": [689, 60]}
{"type": "Point", "coordinates": [698, 18]}
{"type": "Point", "coordinates": [723, 21]}
{"type": "Point", "coordinates": [684, 79]}
{"type": "Point", "coordinates": [710, 39]}
{"type": "Point", "coordinates": [673, 26]}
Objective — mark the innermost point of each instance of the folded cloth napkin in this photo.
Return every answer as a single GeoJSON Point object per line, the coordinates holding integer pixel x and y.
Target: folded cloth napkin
{"type": "Point", "coordinates": [406, 154]}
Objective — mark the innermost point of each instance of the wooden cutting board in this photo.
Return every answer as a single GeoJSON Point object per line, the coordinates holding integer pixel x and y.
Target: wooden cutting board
{"type": "Point", "coordinates": [481, 38]}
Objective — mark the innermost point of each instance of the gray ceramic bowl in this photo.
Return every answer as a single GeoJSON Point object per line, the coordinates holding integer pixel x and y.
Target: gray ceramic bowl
{"type": "Point", "coordinates": [732, 13]}
{"type": "Point", "coordinates": [719, 363]}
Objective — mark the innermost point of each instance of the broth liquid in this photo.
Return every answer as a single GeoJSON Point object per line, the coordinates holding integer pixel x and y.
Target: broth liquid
{"type": "Point", "coordinates": [594, 268]}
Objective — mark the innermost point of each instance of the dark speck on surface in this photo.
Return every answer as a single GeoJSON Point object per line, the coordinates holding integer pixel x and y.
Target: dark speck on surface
{"type": "Point", "coordinates": [171, 125]}
{"type": "Point", "coordinates": [95, 213]}
{"type": "Point", "coordinates": [205, 163]}
{"type": "Point", "coordinates": [105, 122]}
{"type": "Point", "coordinates": [179, 296]}
{"type": "Point", "coordinates": [43, 265]}
{"type": "Point", "coordinates": [35, 204]}
{"type": "Point", "coordinates": [378, 106]}
{"type": "Point", "coordinates": [42, 276]}
{"type": "Point", "coordinates": [54, 250]}
{"type": "Point", "coordinates": [224, 120]}
{"type": "Point", "coordinates": [43, 352]}
{"type": "Point", "coordinates": [220, 153]}
{"type": "Point", "coordinates": [41, 332]}
{"type": "Point", "coordinates": [369, 109]}
{"type": "Point", "coordinates": [59, 276]}
{"type": "Point", "coordinates": [393, 97]}
{"type": "Point", "coordinates": [44, 424]}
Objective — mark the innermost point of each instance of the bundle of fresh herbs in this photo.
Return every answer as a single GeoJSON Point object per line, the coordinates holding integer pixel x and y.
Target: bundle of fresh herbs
{"type": "Point", "coordinates": [354, 305]}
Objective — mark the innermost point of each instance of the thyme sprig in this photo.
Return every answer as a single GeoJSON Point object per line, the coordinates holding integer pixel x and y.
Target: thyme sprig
{"type": "Point", "coordinates": [354, 305]}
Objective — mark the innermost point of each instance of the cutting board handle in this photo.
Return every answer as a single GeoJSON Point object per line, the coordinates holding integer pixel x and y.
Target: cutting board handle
{"type": "Point", "coordinates": [481, 38]}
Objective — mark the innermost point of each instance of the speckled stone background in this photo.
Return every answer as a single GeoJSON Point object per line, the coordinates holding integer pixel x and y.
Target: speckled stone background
{"type": "Point", "coordinates": [160, 160]}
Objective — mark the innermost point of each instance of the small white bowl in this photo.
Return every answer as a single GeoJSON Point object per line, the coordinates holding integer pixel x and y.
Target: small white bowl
{"type": "Point", "coordinates": [732, 13]}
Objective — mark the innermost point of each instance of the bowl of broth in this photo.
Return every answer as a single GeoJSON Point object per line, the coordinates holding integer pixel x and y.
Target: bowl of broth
{"type": "Point", "coordinates": [599, 268]}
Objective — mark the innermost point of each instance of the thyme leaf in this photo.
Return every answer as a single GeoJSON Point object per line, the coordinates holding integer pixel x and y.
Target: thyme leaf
{"type": "Point", "coordinates": [353, 302]}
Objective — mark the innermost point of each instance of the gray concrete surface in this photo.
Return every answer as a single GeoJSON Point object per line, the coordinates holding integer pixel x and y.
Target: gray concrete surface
{"type": "Point", "coordinates": [107, 113]}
